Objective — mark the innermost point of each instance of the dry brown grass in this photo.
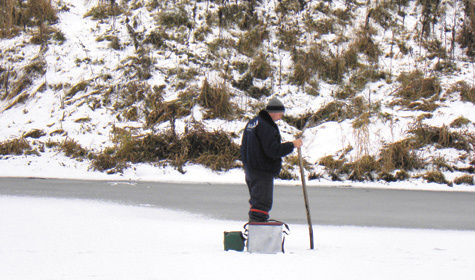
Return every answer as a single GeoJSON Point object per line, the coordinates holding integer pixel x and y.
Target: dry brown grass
{"type": "Point", "coordinates": [217, 99]}
{"type": "Point", "coordinates": [286, 173]}
{"type": "Point", "coordinates": [420, 88]}
{"type": "Point", "coordinates": [442, 137]}
{"type": "Point", "coordinates": [329, 67]}
{"type": "Point", "coordinates": [331, 164]}
{"type": "Point", "coordinates": [73, 149]}
{"type": "Point", "coordinates": [80, 86]}
{"type": "Point", "coordinates": [15, 146]}
{"type": "Point", "coordinates": [417, 92]}
{"type": "Point", "coordinates": [34, 133]}
{"type": "Point", "coordinates": [465, 179]}
{"type": "Point", "coordinates": [466, 37]}
{"type": "Point", "coordinates": [363, 169]}
{"type": "Point", "coordinates": [104, 9]}
{"type": "Point", "coordinates": [174, 17]}
{"type": "Point", "coordinates": [250, 40]}
{"type": "Point", "coordinates": [290, 6]}
{"type": "Point", "coordinates": [460, 122]}
{"type": "Point", "coordinates": [15, 82]}
{"type": "Point", "coordinates": [260, 67]}
{"type": "Point", "coordinates": [15, 15]}
{"type": "Point", "coordinates": [215, 150]}
{"type": "Point", "coordinates": [467, 92]}
{"type": "Point", "coordinates": [435, 177]}
{"type": "Point", "coordinates": [166, 111]}
{"type": "Point", "coordinates": [400, 155]}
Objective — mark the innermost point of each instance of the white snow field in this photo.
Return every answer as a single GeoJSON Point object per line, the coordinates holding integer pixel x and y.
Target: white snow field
{"type": "Point", "coordinates": [45, 238]}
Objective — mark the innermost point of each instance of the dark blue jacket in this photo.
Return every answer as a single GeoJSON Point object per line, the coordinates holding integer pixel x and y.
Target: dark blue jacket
{"type": "Point", "coordinates": [261, 147]}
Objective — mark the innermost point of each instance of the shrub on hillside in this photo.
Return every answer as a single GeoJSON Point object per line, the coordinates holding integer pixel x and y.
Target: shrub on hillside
{"type": "Point", "coordinates": [415, 87]}
{"type": "Point", "coordinates": [328, 67]}
{"type": "Point", "coordinates": [215, 150]}
{"type": "Point", "coordinates": [15, 146]}
{"type": "Point", "coordinates": [467, 92]}
{"type": "Point", "coordinates": [217, 99]}
{"type": "Point", "coordinates": [363, 169]}
{"type": "Point", "coordinates": [417, 92]}
{"type": "Point", "coordinates": [466, 38]}
{"type": "Point", "coordinates": [167, 111]}
{"type": "Point", "coordinates": [249, 41]}
{"type": "Point", "coordinates": [174, 18]}
{"type": "Point", "coordinates": [104, 9]}
{"type": "Point", "coordinates": [400, 155]}
{"type": "Point", "coordinates": [465, 179]}
{"type": "Point", "coordinates": [15, 15]}
{"type": "Point", "coordinates": [460, 122]}
{"type": "Point", "coordinates": [441, 137]}
{"type": "Point", "coordinates": [260, 67]}
{"type": "Point", "coordinates": [435, 177]}
{"type": "Point", "coordinates": [73, 149]}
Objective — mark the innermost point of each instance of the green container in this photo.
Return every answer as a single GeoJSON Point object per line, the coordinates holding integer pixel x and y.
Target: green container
{"type": "Point", "coordinates": [233, 240]}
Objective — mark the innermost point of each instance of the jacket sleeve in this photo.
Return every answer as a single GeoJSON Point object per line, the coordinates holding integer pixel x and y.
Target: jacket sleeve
{"type": "Point", "coordinates": [270, 143]}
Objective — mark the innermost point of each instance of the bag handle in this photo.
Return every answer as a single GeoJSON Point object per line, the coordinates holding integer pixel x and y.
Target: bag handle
{"type": "Point", "coordinates": [286, 227]}
{"type": "Point", "coordinates": [246, 231]}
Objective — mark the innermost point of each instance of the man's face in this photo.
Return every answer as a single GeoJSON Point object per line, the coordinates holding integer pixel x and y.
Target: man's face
{"type": "Point", "coordinates": [276, 116]}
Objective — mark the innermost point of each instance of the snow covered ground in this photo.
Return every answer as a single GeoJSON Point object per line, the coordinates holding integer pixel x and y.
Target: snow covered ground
{"type": "Point", "coordinates": [44, 238]}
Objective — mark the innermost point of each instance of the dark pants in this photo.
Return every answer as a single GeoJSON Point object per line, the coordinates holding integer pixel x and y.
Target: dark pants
{"type": "Point", "coordinates": [261, 190]}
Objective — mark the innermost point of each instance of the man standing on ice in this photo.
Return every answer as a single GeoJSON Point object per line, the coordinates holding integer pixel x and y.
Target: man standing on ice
{"type": "Point", "coordinates": [261, 154]}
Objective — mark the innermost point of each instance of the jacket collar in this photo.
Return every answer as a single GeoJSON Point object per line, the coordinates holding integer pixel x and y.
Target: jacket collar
{"type": "Point", "coordinates": [265, 115]}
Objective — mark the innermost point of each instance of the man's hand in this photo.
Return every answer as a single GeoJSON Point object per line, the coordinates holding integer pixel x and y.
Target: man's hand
{"type": "Point", "coordinates": [297, 143]}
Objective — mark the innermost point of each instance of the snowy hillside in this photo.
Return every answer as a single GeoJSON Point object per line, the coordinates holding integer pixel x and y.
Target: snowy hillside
{"type": "Point", "coordinates": [381, 92]}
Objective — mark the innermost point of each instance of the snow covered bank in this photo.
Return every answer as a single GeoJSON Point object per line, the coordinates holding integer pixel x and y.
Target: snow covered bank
{"type": "Point", "coordinates": [47, 102]}
{"type": "Point", "coordinates": [57, 165]}
{"type": "Point", "coordinates": [44, 238]}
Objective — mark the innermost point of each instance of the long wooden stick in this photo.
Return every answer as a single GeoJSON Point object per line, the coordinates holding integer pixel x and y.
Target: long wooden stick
{"type": "Point", "coordinates": [305, 196]}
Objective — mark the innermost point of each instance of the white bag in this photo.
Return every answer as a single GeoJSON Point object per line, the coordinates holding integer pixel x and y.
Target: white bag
{"type": "Point", "coordinates": [266, 238]}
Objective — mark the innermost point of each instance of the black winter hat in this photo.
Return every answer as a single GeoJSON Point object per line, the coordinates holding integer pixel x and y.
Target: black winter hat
{"type": "Point", "coordinates": [275, 106]}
